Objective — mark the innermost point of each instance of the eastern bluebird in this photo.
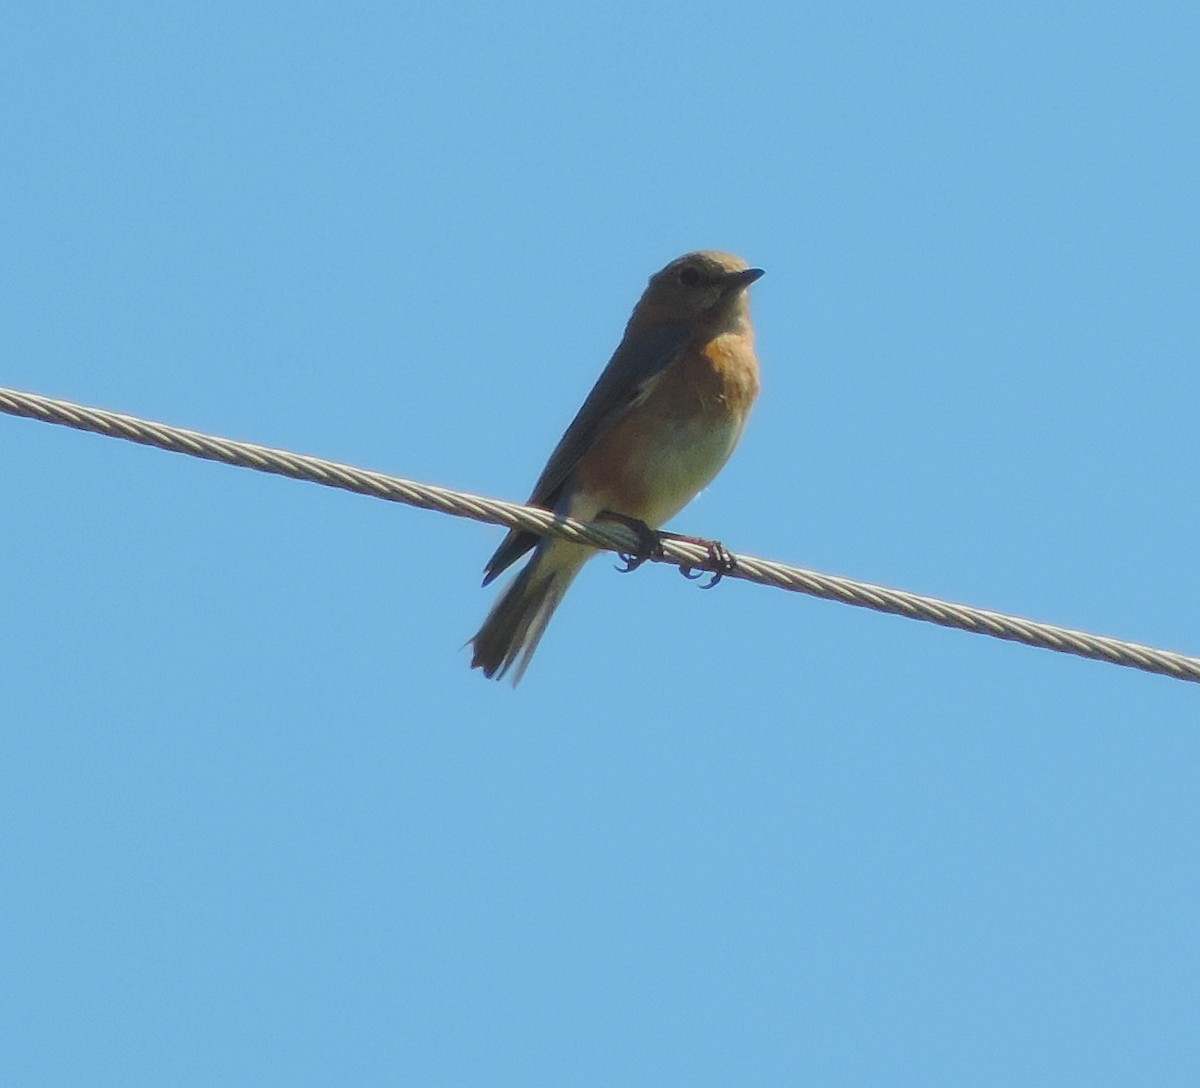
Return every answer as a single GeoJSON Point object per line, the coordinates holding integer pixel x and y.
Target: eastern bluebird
{"type": "Point", "coordinates": [661, 421]}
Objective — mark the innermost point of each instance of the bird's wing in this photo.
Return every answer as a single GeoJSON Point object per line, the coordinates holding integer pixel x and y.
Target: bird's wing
{"type": "Point", "coordinates": [631, 373]}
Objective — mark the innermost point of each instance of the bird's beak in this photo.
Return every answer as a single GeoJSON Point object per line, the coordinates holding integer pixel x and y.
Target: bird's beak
{"type": "Point", "coordinates": [739, 281]}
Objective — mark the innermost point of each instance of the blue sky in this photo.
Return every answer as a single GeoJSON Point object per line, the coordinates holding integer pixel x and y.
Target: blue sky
{"type": "Point", "coordinates": [259, 823]}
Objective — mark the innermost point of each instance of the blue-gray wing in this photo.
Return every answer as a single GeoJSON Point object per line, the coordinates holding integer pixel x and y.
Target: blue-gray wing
{"type": "Point", "coordinates": [630, 375]}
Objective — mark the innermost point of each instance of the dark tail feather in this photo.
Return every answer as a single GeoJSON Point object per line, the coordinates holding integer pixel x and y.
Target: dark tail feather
{"type": "Point", "coordinates": [517, 621]}
{"type": "Point", "coordinates": [512, 547]}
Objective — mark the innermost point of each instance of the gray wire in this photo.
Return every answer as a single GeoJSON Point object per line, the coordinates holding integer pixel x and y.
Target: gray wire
{"type": "Point", "coordinates": [613, 537]}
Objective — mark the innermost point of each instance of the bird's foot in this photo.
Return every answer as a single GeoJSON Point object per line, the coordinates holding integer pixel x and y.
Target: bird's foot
{"type": "Point", "coordinates": [649, 541]}
{"type": "Point", "coordinates": [719, 562]}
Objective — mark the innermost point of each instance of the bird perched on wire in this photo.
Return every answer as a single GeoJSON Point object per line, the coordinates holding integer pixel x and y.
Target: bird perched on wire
{"type": "Point", "coordinates": [663, 418]}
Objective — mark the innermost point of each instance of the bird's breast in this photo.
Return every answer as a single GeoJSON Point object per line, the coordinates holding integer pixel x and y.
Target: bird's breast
{"type": "Point", "coordinates": [670, 446]}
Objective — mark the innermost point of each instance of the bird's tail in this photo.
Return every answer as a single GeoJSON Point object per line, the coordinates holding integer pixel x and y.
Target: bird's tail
{"type": "Point", "coordinates": [517, 621]}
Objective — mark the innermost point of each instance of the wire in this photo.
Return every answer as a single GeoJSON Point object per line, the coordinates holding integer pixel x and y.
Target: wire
{"type": "Point", "coordinates": [610, 536]}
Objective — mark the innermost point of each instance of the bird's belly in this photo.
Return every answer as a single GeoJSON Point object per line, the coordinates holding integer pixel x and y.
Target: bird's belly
{"type": "Point", "coordinates": [667, 465]}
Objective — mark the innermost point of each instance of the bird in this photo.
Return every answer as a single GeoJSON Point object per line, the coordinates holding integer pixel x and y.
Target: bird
{"type": "Point", "coordinates": [661, 421]}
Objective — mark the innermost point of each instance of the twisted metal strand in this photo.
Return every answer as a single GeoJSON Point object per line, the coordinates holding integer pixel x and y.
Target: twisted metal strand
{"type": "Point", "coordinates": [609, 536]}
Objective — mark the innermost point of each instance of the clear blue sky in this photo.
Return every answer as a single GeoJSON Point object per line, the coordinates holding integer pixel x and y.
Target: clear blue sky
{"type": "Point", "coordinates": [260, 824]}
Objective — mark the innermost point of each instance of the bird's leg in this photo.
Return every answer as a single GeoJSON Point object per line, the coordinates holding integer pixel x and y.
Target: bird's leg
{"type": "Point", "coordinates": [649, 541]}
{"type": "Point", "coordinates": [719, 562]}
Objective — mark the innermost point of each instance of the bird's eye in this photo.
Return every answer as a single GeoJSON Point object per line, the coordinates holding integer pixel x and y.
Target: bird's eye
{"type": "Point", "coordinates": [689, 277]}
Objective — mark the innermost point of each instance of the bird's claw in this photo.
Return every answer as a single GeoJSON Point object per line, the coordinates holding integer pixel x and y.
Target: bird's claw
{"type": "Point", "coordinates": [719, 562]}
{"type": "Point", "coordinates": [630, 562]}
{"type": "Point", "coordinates": [649, 542]}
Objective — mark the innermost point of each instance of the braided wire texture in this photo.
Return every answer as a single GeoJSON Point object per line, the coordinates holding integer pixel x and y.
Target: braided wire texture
{"type": "Point", "coordinates": [609, 536]}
